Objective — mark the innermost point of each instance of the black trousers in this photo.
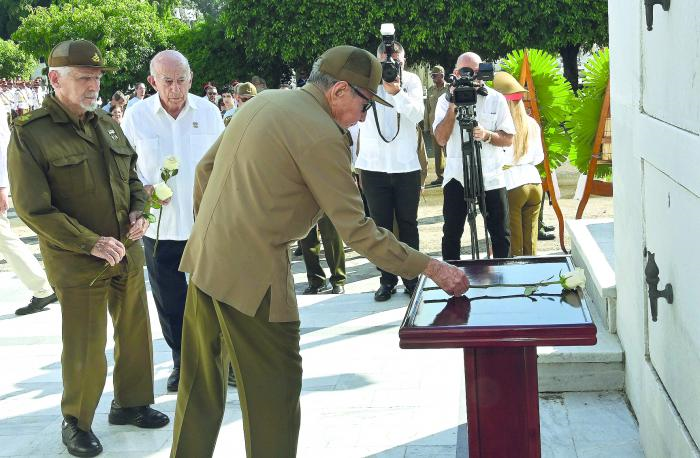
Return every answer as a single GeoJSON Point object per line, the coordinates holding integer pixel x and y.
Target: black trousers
{"type": "Point", "coordinates": [454, 212]}
{"type": "Point", "coordinates": [332, 246]}
{"type": "Point", "coordinates": [169, 288]}
{"type": "Point", "coordinates": [389, 196]}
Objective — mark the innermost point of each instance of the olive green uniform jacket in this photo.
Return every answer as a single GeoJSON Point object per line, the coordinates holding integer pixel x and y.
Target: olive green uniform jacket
{"type": "Point", "coordinates": [280, 164]}
{"type": "Point", "coordinates": [434, 94]}
{"type": "Point", "coordinates": [75, 181]}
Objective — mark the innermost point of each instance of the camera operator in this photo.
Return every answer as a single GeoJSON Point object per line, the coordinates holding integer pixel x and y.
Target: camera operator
{"type": "Point", "coordinates": [495, 131]}
{"type": "Point", "coordinates": [390, 171]}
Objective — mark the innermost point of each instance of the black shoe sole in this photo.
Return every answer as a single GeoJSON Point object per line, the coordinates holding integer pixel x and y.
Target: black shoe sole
{"type": "Point", "coordinates": [83, 454]}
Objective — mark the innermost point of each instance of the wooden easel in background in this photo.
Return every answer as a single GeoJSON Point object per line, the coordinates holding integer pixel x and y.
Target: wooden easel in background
{"type": "Point", "coordinates": [603, 137]}
{"type": "Point", "coordinates": [531, 103]}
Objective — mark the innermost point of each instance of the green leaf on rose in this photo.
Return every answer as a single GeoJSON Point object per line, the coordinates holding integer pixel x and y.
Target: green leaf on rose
{"type": "Point", "coordinates": [529, 290]}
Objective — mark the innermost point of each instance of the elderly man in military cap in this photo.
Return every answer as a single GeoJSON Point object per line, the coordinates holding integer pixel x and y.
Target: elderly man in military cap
{"type": "Point", "coordinates": [434, 92]}
{"type": "Point", "coordinates": [282, 162]}
{"type": "Point", "coordinates": [85, 203]}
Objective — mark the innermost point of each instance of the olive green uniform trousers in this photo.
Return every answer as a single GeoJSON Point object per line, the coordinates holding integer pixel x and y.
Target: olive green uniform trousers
{"type": "Point", "coordinates": [84, 365]}
{"type": "Point", "coordinates": [267, 362]}
{"type": "Point", "coordinates": [333, 247]}
{"type": "Point", "coordinates": [524, 209]}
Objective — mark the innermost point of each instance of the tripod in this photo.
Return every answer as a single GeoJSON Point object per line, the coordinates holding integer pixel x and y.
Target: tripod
{"type": "Point", "coordinates": [474, 193]}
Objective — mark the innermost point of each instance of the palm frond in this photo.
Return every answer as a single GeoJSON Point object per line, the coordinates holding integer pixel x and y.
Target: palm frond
{"type": "Point", "coordinates": [555, 99]}
{"type": "Point", "coordinates": [586, 117]}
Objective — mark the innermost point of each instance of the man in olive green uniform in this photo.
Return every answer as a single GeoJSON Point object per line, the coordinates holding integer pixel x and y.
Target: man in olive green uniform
{"type": "Point", "coordinates": [334, 248]}
{"type": "Point", "coordinates": [281, 163]}
{"type": "Point", "coordinates": [78, 190]}
{"type": "Point", "coordinates": [434, 92]}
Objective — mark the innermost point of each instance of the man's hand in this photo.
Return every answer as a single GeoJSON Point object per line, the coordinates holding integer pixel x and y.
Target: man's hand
{"type": "Point", "coordinates": [109, 249]}
{"type": "Point", "coordinates": [4, 202]}
{"type": "Point", "coordinates": [138, 225]}
{"type": "Point", "coordinates": [149, 190]}
{"type": "Point", "coordinates": [392, 88]}
{"type": "Point", "coordinates": [451, 279]}
{"type": "Point", "coordinates": [480, 134]}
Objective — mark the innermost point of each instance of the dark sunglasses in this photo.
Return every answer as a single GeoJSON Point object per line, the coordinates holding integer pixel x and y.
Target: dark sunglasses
{"type": "Point", "coordinates": [367, 105]}
{"type": "Point", "coordinates": [435, 75]}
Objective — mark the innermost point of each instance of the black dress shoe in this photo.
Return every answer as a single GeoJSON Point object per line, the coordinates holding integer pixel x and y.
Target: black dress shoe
{"type": "Point", "coordinates": [37, 304]}
{"type": "Point", "coordinates": [174, 379]}
{"type": "Point", "coordinates": [384, 293]}
{"type": "Point", "coordinates": [231, 377]}
{"type": "Point", "coordinates": [436, 182]}
{"type": "Point", "coordinates": [77, 441]}
{"type": "Point", "coordinates": [542, 235]}
{"type": "Point", "coordinates": [311, 289]}
{"type": "Point", "coordinates": [547, 228]}
{"type": "Point", "coordinates": [141, 416]}
{"type": "Point", "coordinates": [338, 289]}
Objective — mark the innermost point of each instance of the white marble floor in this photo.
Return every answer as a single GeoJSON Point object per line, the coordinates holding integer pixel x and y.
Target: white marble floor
{"type": "Point", "coordinates": [362, 395]}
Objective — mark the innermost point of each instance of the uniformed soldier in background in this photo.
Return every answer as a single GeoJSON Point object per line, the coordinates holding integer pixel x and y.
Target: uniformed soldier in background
{"type": "Point", "coordinates": [74, 175]}
{"type": "Point", "coordinates": [282, 162]}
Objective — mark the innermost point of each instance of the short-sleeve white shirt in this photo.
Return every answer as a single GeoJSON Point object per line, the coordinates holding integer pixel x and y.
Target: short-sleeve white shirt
{"type": "Point", "coordinates": [154, 134]}
{"type": "Point", "coordinates": [492, 113]}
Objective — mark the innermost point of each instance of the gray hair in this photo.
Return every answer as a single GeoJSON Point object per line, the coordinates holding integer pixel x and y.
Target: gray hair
{"type": "Point", "coordinates": [62, 71]}
{"type": "Point", "coordinates": [322, 80]}
{"type": "Point", "coordinates": [169, 54]}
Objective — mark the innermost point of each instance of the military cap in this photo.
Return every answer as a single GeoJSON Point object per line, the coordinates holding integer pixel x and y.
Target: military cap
{"type": "Point", "coordinates": [77, 53]}
{"type": "Point", "coordinates": [354, 65]}
{"type": "Point", "coordinates": [247, 89]}
{"type": "Point", "coordinates": [505, 84]}
{"type": "Point", "coordinates": [438, 69]}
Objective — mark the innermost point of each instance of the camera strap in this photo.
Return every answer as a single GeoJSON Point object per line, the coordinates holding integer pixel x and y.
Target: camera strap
{"type": "Point", "coordinates": [379, 129]}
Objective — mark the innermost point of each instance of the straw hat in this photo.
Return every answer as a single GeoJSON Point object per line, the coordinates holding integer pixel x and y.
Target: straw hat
{"type": "Point", "coordinates": [505, 84]}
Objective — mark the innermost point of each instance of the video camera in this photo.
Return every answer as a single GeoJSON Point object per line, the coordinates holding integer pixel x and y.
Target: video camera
{"type": "Point", "coordinates": [468, 84]}
{"type": "Point", "coordinates": [391, 69]}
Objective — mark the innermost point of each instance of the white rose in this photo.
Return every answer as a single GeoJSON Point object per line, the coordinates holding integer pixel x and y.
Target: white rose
{"type": "Point", "coordinates": [162, 191]}
{"type": "Point", "coordinates": [573, 279]}
{"type": "Point", "coordinates": [171, 163]}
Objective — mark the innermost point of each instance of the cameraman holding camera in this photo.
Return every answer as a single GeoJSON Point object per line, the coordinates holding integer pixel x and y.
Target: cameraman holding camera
{"type": "Point", "coordinates": [495, 131]}
{"type": "Point", "coordinates": [390, 171]}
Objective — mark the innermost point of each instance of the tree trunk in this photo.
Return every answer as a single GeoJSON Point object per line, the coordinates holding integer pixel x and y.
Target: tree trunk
{"type": "Point", "coordinates": [569, 57]}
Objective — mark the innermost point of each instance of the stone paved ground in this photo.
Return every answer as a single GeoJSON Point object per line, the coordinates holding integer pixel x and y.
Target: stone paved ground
{"type": "Point", "coordinates": [362, 395]}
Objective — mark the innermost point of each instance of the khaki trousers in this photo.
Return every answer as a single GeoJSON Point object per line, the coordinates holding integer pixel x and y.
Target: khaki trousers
{"type": "Point", "coordinates": [524, 208]}
{"type": "Point", "coordinates": [84, 365]}
{"type": "Point", "coordinates": [21, 261]}
{"type": "Point", "coordinates": [267, 362]}
{"type": "Point", "coordinates": [439, 153]}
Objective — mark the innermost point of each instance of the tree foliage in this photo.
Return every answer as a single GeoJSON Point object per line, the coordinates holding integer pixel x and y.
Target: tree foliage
{"type": "Point", "coordinates": [435, 32]}
{"type": "Point", "coordinates": [128, 32]}
{"type": "Point", "coordinates": [15, 63]}
{"type": "Point", "coordinates": [12, 12]}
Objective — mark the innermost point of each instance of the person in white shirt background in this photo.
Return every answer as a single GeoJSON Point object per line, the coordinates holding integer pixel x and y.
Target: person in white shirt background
{"type": "Point", "coordinates": [139, 95]}
{"type": "Point", "coordinates": [389, 168]}
{"type": "Point", "coordinates": [171, 123]}
{"type": "Point", "coordinates": [495, 132]}
{"type": "Point", "coordinates": [523, 180]}
{"type": "Point", "coordinates": [16, 253]}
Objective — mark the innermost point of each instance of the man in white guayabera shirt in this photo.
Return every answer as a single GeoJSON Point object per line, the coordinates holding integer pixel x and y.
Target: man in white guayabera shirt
{"type": "Point", "coordinates": [173, 123]}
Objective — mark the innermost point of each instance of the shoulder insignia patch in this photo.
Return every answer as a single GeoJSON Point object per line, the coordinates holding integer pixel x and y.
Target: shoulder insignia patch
{"type": "Point", "coordinates": [31, 116]}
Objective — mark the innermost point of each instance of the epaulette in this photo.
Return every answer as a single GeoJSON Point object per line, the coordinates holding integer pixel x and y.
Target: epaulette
{"type": "Point", "coordinates": [31, 116]}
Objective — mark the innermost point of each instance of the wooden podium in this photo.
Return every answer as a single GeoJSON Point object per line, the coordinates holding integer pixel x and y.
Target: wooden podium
{"type": "Point", "coordinates": [499, 329]}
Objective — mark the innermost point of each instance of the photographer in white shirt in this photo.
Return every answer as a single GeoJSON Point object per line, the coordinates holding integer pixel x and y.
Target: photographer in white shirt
{"type": "Point", "coordinates": [389, 168]}
{"type": "Point", "coordinates": [495, 131]}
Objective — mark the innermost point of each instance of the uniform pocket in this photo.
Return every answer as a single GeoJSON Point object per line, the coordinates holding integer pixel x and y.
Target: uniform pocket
{"type": "Point", "coordinates": [488, 121]}
{"type": "Point", "coordinates": [71, 175]}
{"type": "Point", "coordinates": [122, 158]}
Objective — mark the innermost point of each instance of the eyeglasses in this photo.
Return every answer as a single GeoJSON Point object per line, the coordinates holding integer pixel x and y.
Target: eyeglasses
{"type": "Point", "coordinates": [211, 93]}
{"type": "Point", "coordinates": [435, 75]}
{"type": "Point", "coordinates": [367, 105]}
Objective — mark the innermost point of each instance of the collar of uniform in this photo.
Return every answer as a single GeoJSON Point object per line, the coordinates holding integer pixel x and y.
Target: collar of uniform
{"type": "Point", "coordinates": [60, 114]}
{"type": "Point", "coordinates": [320, 97]}
{"type": "Point", "coordinates": [156, 105]}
